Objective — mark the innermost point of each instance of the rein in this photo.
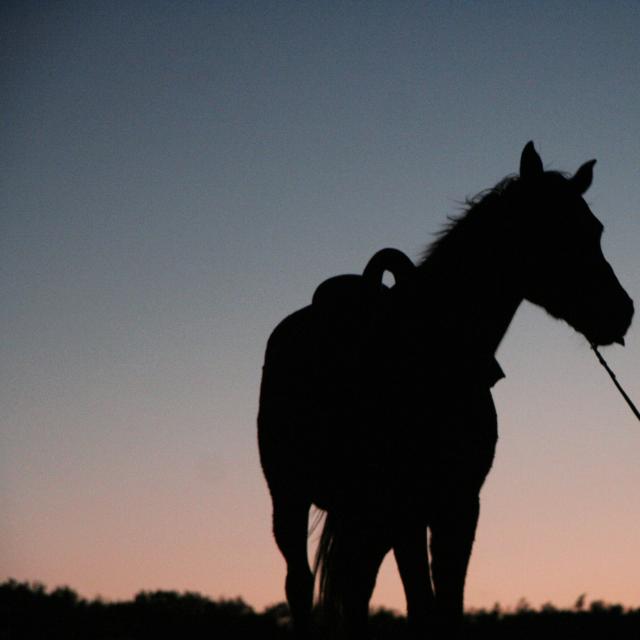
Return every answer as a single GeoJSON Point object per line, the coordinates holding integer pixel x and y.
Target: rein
{"type": "Point", "coordinates": [612, 375]}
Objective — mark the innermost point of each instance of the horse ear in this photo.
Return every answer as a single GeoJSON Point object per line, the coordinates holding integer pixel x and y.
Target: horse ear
{"type": "Point", "coordinates": [584, 176]}
{"type": "Point", "coordinates": [530, 162]}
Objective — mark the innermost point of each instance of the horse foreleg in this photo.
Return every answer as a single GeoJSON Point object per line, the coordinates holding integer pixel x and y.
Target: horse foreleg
{"type": "Point", "coordinates": [452, 534]}
{"type": "Point", "coordinates": [410, 550]}
{"type": "Point", "coordinates": [290, 529]}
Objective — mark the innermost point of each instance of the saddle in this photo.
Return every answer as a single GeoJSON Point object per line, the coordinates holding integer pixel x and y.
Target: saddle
{"type": "Point", "coordinates": [351, 298]}
{"type": "Point", "coordinates": [353, 311]}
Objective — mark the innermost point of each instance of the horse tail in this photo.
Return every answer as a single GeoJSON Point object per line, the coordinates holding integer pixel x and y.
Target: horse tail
{"type": "Point", "coordinates": [327, 572]}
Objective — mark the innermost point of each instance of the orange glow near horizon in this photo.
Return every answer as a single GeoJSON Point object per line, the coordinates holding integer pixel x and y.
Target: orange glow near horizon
{"type": "Point", "coordinates": [544, 539]}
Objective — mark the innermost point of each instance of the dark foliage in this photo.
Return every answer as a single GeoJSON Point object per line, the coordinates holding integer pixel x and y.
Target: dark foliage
{"type": "Point", "coordinates": [29, 611]}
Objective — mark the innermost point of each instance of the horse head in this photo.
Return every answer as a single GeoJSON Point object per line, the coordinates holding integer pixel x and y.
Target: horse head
{"type": "Point", "coordinates": [562, 267]}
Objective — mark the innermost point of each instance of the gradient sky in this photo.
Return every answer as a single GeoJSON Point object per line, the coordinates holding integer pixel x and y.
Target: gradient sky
{"type": "Point", "coordinates": [177, 177]}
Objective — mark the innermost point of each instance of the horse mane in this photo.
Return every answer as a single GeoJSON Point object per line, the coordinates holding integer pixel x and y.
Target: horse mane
{"type": "Point", "coordinates": [462, 228]}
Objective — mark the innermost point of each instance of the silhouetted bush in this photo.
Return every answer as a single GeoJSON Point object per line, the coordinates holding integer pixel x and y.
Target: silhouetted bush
{"type": "Point", "coordinates": [29, 612]}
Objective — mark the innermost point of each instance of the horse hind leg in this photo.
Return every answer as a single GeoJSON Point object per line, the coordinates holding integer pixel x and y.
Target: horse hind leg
{"type": "Point", "coordinates": [290, 529]}
{"type": "Point", "coordinates": [348, 571]}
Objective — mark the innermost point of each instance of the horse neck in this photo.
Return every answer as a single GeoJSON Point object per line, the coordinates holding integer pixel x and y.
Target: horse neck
{"type": "Point", "coordinates": [470, 293]}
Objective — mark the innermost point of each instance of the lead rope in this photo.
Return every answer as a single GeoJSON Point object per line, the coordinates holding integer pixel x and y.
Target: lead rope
{"type": "Point", "coordinates": [612, 375]}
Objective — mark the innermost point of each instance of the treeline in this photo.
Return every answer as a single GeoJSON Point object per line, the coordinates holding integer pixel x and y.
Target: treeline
{"type": "Point", "coordinates": [29, 611]}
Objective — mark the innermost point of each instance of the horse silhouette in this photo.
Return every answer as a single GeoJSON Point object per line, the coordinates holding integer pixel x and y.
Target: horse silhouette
{"type": "Point", "coordinates": [375, 401]}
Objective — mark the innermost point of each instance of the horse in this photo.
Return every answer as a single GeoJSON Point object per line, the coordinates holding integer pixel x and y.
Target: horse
{"type": "Point", "coordinates": [375, 401]}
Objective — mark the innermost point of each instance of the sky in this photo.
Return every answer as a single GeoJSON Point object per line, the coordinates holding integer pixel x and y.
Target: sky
{"type": "Point", "coordinates": [178, 177]}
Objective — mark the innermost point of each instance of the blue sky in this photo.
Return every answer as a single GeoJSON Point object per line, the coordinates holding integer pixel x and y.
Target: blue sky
{"type": "Point", "coordinates": [178, 177]}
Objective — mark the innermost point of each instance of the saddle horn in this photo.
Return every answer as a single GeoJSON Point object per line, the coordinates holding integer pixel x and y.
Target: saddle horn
{"type": "Point", "coordinates": [392, 260]}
